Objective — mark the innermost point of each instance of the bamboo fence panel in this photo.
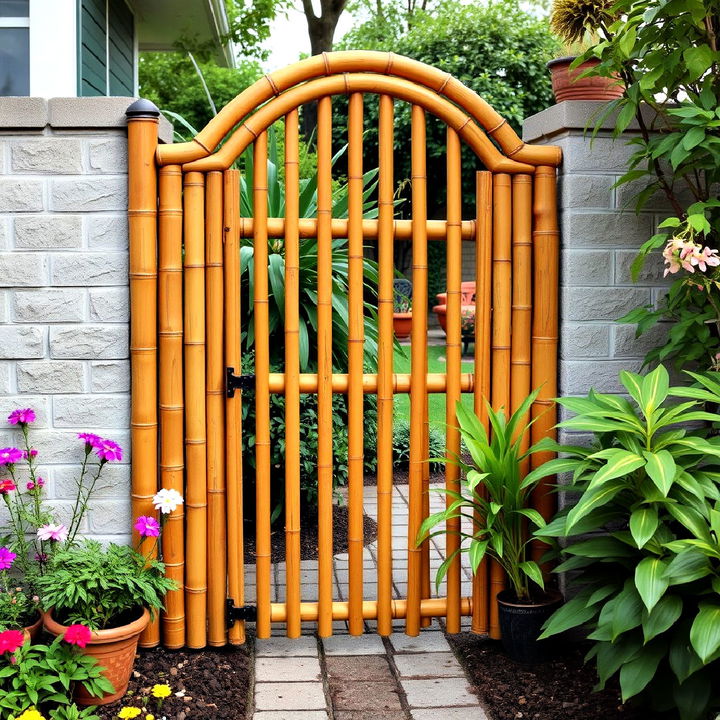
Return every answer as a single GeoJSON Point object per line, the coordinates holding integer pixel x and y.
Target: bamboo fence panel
{"type": "Point", "coordinates": [356, 311]}
{"type": "Point", "coordinates": [195, 426]}
{"type": "Point", "coordinates": [386, 348]}
{"type": "Point", "coordinates": [546, 253]}
{"type": "Point", "coordinates": [292, 374]}
{"type": "Point", "coordinates": [418, 365]}
{"type": "Point", "coordinates": [324, 365]}
{"type": "Point", "coordinates": [171, 404]}
{"type": "Point", "coordinates": [262, 389]}
{"type": "Point", "coordinates": [483, 340]}
{"type": "Point", "coordinates": [233, 404]}
{"type": "Point", "coordinates": [453, 355]}
{"type": "Point", "coordinates": [215, 408]}
{"type": "Point", "coordinates": [425, 570]}
{"type": "Point", "coordinates": [142, 227]}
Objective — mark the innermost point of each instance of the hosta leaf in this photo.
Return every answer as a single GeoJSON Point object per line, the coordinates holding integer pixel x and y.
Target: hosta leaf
{"type": "Point", "coordinates": [662, 617]}
{"type": "Point", "coordinates": [686, 566]}
{"type": "Point", "coordinates": [643, 523]}
{"type": "Point", "coordinates": [621, 464]}
{"type": "Point", "coordinates": [628, 612]}
{"type": "Point", "coordinates": [650, 580]}
{"type": "Point", "coordinates": [654, 389]}
{"type": "Point", "coordinates": [592, 500]}
{"type": "Point", "coordinates": [683, 660]}
{"type": "Point", "coordinates": [661, 468]}
{"type": "Point", "coordinates": [635, 675]}
{"type": "Point", "coordinates": [705, 631]}
{"type": "Point", "coordinates": [570, 615]}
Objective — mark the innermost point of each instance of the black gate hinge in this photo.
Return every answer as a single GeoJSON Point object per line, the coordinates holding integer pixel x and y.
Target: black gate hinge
{"type": "Point", "coordinates": [237, 382]}
{"type": "Point", "coordinates": [244, 613]}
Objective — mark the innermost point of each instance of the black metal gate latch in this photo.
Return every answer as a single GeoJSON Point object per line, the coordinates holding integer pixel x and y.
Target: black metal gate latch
{"type": "Point", "coordinates": [237, 382]}
{"type": "Point", "coordinates": [244, 613]}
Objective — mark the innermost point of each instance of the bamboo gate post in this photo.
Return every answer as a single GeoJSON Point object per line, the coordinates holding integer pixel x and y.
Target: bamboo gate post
{"type": "Point", "coordinates": [195, 336]}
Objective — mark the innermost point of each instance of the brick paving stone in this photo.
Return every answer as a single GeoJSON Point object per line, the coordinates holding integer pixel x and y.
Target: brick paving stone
{"type": "Point", "coordinates": [304, 646]}
{"type": "Point", "coordinates": [291, 715]}
{"type": "Point", "coordinates": [289, 696]}
{"type": "Point", "coordinates": [354, 645]}
{"type": "Point", "coordinates": [363, 667]}
{"type": "Point", "coordinates": [419, 665]}
{"type": "Point", "coordinates": [463, 713]}
{"type": "Point", "coordinates": [365, 715]}
{"type": "Point", "coordinates": [427, 642]}
{"type": "Point", "coordinates": [379, 697]}
{"type": "Point", "coordinates": [438, 692]}
{"type": "Point", "coordinates": [289, 669]}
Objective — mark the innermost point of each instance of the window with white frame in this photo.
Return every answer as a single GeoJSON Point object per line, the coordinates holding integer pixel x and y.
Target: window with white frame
{"type": "Point", "coordinates": [14, 47]}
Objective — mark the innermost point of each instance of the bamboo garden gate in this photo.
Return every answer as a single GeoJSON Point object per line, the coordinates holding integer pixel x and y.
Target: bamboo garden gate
{"type": "Point", "coordinates": [185, 230]}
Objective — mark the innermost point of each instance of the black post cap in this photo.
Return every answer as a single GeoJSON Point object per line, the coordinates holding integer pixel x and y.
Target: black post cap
{"type": "Point", "coordinates": [142, 109]}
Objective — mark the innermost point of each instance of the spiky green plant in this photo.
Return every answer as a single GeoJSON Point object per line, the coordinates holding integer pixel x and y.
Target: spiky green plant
{"type": "Point", "coordinates": [574, 20]}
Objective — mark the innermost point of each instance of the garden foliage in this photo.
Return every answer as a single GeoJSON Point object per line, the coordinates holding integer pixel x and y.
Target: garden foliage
{"type": "Point", "coordinates": [642, 542]}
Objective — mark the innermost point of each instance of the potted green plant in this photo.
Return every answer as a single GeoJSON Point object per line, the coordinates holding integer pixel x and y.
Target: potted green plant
{"type": "Point", "coordinates": [495, 490]}
{"type": "Point", "coordinates": [580, 24]}
{"type": "Point", "coordinates": [402, 308]}
{"type": "Point", "coordinates": [19, 610]}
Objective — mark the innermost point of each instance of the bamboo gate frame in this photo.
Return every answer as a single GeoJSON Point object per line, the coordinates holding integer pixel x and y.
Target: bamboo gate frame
{"type": "Point", "coordinates": [185, 231]}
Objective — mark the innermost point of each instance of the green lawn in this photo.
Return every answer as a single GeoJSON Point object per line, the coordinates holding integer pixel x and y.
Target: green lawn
{"type": "Point", "coordinates": [436, 407]}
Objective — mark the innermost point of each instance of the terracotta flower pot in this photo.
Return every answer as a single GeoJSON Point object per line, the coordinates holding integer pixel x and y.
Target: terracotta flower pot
{"type": "Point", "coordinates": [33, 631]}
{"type": "Point", "coordinates": [567, 86]}
{"type": "Point", "coordinates": [402, 324]}
{"type": "Point", "coordinates": [114, 649]}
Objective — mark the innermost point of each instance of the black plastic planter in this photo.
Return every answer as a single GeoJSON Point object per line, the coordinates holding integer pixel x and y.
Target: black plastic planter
{"type": "Point", "coordinates": [521, 623]}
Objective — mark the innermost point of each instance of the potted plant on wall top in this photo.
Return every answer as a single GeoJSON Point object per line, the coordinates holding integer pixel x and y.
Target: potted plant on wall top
{"type": "Point", "coordinates": [578, 23]}
{"type": "Point", "coordinates": [402, 308]}
{"type": "Point", "coordinates": [496, 491]}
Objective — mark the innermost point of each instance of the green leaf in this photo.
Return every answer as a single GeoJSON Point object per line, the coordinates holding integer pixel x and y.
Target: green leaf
{"type": "Point", "coordinates": [628, 612]}
{"type": "Point", "coordinates": [698, 59]}
{"type": "Point", "coordinates": [661, 468]}
{"type": "Point", "coordinates": [654, 389]}
{"type": "Point", "coordinates": [592, 500]}
{"type": "Point", "coordinates": [620, 464]}
{"type": "Point", "coordinates": [662, 617]}
{"type": "Point", "coordinates": [643, 523]}
{"type": "Point", "coordinates": [532, 570]}
{"type": "Point", "coordinates": [686, 566]}
{"type": "Point", "coordinates": [705, 631]}
{"type": "Point", "coordinates": [635, 675]}
{"type": "Point", "coordinates": [650, 581]}
{"type": "Point", "coordinates": [693, 137]}
{"type": "Point", "coordinates": [570, 615]}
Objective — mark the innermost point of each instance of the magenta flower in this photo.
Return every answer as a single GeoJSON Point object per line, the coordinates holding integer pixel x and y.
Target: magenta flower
{"type": "Point", "coordinates": [77, 635]}
{"type": "Point", "coordinates": [57, 533]}
{"type": "Point", "coordinates": [6, 486]}
{"type": "Point", "coordinates": [147, 526]}
{"type": "Point", "coordinates": [10, 455]}
{"type": "Point", "coordinates": [91, 440]}
{"type": "Point", "coordinates": [108, 450]}
{"type": "Point", "coordinates": [22, 417]}
{"type": "Point", "coordinates": [30, 485]}
{"type": "Point", "coordinates": [31, 454]}
{"type": "Point", "coordinates": [6, 558]}
{"type": "Point", "coordinates": [41, 557]}
{"type": "Point", "coordinates": [40, 482]}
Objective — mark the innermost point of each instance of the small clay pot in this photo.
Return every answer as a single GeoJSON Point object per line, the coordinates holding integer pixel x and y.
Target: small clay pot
{"type": "Point", "coordinates": [114, 649]}
{"type": "Point", "coordinates": [567, 85]}
{"type": "Point", "coordinates": [33, 631]}
{"type": "Point", "coordinates": [402, 324]}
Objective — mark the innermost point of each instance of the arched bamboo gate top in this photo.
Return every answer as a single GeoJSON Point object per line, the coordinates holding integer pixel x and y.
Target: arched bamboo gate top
{"type": "Point", "coordinates": [364, 71]}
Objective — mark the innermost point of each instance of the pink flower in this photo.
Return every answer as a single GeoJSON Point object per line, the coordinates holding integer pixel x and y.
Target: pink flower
{"type": "Point", "coordinates": [11, 640]}
{"type": "Point", "coordinates": [31, 454]}
{"type": "Point", "coordinates": [77, 635]}
{"type": "Point", "coordinates": [108, 450]}
{"type": "Point", "coordinates": [6, 486]}
{"type": "Point", "coordinates": [9, 456]}
{"type": "Point", "coordinates": [41, 557]}
{"type": "Point", "coordinates": [57, 533]}
{"type": "Point", "coordinates": [22, 417]}
{"type": "Point", "coordinates": [6, 558]}
{"type": "Point", "coordinates": [147, 526]}
{"type": "Point", "coordinates": [91, 440]}
{"type": "Point", "coordinates": [30, 485]}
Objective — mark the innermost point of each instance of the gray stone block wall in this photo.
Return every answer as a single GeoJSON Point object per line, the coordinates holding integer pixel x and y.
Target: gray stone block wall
{"type": "Point", "coordinates": [64, 290]}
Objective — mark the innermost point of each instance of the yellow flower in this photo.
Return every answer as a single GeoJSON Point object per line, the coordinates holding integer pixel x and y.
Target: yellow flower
{"type": "Point", "coordinates": [129, 712]}
{"type": "Point", "coordinates": [149, 717]}
{"type": "Point", "coordinates": [161, 691]}
{"type": "Point", "coordinates": [31, 714]}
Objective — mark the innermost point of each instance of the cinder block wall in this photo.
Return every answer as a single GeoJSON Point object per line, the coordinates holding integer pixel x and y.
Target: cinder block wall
{"type": "Point", "coordinates": [64, 289]}
{"type": "Point", "coordinates": [600, 236]}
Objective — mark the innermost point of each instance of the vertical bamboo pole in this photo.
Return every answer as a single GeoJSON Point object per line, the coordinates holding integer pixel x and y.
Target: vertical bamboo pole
{"type": "Point", "coordinates": [233, 405]}
{"type": "Point", "coordinates": [355, 363]}
{"type": "Point", "coordinates": [170, 334]}
{"type": "Point", "coordinates": [215, 411]}
{"type": "Point", "coordinates": [425, 570]}
{"type": "Point", "coordinates": [501, 336]}
{"type": "Point", "coordinates": [453, 354]}
{"type": "Point", "coordinates": [546, 252]}
{"type": "Point", "coordinates": [292, 376]}
{"type": "Point", "coordinates": [262, 387]}
{"type": "Point", "coordinates": [324, 365]}
{"type": "Point", "coordinates": [195, 428]}
{"type": "Point", "coordinates": [483, 339]}
{"type": "Point", "coordinates": [418, 360]}
{"type": "Point", "coordinates": [521, 299]}
{"type": "Point", "coordinates": [385, 363]}
{"type": "Point", "coordinates": [142, 218]}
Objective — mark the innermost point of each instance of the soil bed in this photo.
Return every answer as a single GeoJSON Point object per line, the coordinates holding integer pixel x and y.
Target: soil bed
{"type": "Point", "coordinates": [560, 689]}
{"type": "Point", "coordinates": [216, 684]}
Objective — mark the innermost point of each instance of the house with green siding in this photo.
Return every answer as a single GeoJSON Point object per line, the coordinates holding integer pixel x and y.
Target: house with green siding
{"type": "Point", "coordinates": [86, 48]}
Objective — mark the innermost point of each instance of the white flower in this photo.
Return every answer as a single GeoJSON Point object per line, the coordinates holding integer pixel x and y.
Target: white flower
{"type": "Point", "coordinates": [57, 533]}
{"type": "Point", "coordinates": [167, 500]}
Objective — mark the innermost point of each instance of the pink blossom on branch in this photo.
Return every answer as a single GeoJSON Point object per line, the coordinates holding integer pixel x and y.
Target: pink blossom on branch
{"type": "Point", "coordinates": [56, 533]}
{"type": "Point", "coordinates": [687, 255]}
{"type": "Point", "coordinates": [6, 558]}
{"type": "Point", "coordinates": [147, 526]}
{"type": "Point", "coordinates": [22, 417]}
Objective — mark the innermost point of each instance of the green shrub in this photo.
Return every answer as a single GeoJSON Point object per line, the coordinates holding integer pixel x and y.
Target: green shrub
{"type": "Point", "coordinates": [642, 541]}
{"type": "Point", "coordinates": [401, 447]}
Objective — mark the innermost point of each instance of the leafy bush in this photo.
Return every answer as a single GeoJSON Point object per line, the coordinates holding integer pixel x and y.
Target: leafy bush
{"type": "Point", "coordinates": [643, 539]}
{"type": "Point", "coordinates": [401, 446]}
{"type": "Point", "coordinates": [98, 586]}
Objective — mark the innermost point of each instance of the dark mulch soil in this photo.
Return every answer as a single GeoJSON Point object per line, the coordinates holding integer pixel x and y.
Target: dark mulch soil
{"type": "Point", "coordinates": [308, 536]}
{"type": "Point", "coordinates": [560, 689]}
{"type": "Point", "coordinates": [216, 684]}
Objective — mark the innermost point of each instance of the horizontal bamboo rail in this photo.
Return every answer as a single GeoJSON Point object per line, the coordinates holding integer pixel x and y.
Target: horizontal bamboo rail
{"type": "Point", "coordinates": [429, 607]}
{"type": "Point", "coordinates": [402, 229]}
{"type": "Point", "coordinates": [354, 61]}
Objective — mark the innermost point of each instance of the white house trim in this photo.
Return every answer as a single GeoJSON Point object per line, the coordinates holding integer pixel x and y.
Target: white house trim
{"type": "Point", "coordinates": [53, 48]}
